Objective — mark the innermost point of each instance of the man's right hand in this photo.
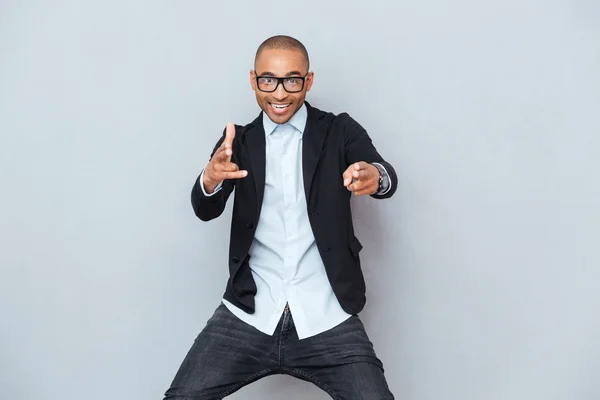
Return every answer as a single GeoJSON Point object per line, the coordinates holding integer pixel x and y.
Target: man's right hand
{"type": "Point", "coordinates": [220, 166]}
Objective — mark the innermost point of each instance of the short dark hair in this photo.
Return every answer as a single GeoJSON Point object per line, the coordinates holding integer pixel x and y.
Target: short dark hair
{"type": "Point", "coordinates": [282, 42]}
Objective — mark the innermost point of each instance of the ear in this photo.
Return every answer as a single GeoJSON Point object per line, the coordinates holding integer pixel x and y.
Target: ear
{"type": "Point", "coordinates": [253, 79]}
{"type": "Point", "coordinates": [309, 80]}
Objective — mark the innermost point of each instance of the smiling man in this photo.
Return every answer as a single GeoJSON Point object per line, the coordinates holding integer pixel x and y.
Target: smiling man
{"type": "Point", "coordinates": [295, 283]}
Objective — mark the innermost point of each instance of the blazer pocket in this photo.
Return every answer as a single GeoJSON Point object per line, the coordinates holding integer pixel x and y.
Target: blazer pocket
{"type": "Point", "coordinates": [355, 246]}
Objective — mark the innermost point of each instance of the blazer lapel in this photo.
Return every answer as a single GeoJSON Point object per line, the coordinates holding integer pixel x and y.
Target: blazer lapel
{"type": "Point", "coordinates": [312, 143]}
{"type": "Point", "coordinates": [256, 144]}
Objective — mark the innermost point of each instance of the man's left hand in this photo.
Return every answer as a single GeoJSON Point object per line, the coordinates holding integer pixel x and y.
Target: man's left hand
{"type": "Point", "coordinates": [361, 178]}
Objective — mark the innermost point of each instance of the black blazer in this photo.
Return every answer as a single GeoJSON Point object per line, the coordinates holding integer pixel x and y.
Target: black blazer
{"type": "Point", "coordinates": [330, 144]}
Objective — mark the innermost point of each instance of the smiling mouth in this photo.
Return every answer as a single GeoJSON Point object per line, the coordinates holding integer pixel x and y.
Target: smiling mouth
{"type": "Point", "coordinates": [280, 108]}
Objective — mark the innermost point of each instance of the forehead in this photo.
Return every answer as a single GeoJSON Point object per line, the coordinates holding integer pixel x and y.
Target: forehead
{"type": "Point", "coordinates": [281, 62]}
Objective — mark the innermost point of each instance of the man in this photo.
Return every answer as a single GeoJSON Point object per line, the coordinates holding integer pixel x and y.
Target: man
{"type": "Point", "coordinates": [295, 285]}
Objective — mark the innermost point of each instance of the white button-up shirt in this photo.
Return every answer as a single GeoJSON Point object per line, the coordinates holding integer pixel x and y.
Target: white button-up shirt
{"type": "Point", "coordinates": [284, 259]}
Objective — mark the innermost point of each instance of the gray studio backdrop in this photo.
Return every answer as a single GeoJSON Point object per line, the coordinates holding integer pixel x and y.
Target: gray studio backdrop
{"type": "Point", "coordinates": [482, 272]}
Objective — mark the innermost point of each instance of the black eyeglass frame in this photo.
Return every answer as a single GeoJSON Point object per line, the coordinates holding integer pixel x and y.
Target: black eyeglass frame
{"type": "Point", "coordinates": [280, 82]}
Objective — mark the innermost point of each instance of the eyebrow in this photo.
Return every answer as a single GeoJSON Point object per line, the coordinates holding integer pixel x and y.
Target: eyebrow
{"type": "Point", "coordinates": [291, 73]}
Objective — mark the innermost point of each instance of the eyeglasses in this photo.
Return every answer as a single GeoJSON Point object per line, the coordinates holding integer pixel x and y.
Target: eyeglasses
{"type": "Point", "coordinates": [291, 84]}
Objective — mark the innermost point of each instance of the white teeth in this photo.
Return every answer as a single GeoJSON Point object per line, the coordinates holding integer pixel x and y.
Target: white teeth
{"type": "Point", "coordinates": [280, 106]}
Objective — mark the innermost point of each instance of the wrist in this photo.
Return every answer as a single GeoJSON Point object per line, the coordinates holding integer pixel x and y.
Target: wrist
{"type": "Point", "coordinates": [209, 184]}
{"type": "Point", "coordinates": [383, 179]}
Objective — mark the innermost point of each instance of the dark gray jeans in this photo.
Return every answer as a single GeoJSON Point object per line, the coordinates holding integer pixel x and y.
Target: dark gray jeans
{"type": "Point", "coordinates": [229, 354]}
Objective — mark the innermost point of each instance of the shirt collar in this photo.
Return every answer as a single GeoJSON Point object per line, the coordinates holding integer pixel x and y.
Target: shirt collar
{"type": "Point", "coordinates": [298, 121]}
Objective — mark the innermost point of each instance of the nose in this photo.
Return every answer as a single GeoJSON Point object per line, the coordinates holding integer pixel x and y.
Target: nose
{"type": "Point", "coordinates": [280, 93]}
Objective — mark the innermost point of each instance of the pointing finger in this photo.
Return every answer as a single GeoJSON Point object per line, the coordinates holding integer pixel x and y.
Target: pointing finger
{"type": "Point", "coordinates": [225, 150]}
{"type": "Point", "coordinates": [347, 175]}
{"type": "Point", "coordinates": [229, 134]}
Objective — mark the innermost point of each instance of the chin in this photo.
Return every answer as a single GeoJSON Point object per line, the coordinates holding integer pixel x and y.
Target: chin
{"type": "Point", "coordinates": [279, 119]}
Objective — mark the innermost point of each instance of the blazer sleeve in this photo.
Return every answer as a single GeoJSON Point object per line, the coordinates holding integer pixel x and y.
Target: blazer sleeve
{"type": "Point", "coordinates": [359, 147]}
{"type": "Point", "coordinates": [210, 207]}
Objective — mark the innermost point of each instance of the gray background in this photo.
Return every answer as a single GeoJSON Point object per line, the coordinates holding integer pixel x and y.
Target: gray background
{"type": "Point", "coordinates": [483, 271]}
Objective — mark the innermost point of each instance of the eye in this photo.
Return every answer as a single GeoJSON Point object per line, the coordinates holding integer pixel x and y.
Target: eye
{"type": "Point", "coordinates": [266, 81]}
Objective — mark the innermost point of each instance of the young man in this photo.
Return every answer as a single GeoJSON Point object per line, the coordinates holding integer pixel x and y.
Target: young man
{"type": "Point", "coordinates": [295, 285]}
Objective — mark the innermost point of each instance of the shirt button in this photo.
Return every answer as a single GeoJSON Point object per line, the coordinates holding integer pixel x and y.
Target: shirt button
{"type": "Point", "coordinates": [289, 206]}
{"type": "Point", "coordinates": [291, 232]}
